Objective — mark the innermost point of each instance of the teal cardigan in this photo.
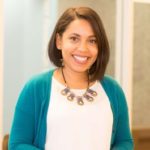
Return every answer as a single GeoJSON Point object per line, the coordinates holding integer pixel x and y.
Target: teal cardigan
{"type": "Point", "coordinates": [28, 130]}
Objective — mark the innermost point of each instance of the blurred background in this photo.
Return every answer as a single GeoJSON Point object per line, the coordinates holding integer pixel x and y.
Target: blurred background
{"type": "Point", "coordinates": [26, 27]}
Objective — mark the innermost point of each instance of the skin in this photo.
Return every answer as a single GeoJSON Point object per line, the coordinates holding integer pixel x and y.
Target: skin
{"type": "Point", "coordinates": [79, 51]}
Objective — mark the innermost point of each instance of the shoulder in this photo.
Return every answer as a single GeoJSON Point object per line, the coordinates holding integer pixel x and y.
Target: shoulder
{"type": "Point", "coordinates": [41, 79]}
{"type": "Point", "coordinates": [35, 89]}
{"type": "Point", "coordinates": [38, 84]}
{"type": "Point", "coordinates": [111, 83]}
{"type": "Point", "coordinates": [113, 90]}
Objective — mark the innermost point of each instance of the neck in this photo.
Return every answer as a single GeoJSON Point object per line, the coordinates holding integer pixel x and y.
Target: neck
{"type": "Point", "coordinates": [75, 79]}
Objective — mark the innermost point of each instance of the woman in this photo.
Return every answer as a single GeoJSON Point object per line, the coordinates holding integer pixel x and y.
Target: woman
{"type": "Point", "coordinates": [76, 106]}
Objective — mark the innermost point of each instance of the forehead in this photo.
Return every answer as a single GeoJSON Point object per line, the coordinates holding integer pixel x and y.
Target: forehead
{"type": "Point", "coordinates": [80, 26]}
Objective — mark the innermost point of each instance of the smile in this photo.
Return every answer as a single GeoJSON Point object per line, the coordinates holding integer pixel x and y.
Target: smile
{"type": "Point", "coordinates": [80, 59]}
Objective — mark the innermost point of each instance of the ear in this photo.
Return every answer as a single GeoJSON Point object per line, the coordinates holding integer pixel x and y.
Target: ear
{"type": "Point", "coordinates": [58, 41]}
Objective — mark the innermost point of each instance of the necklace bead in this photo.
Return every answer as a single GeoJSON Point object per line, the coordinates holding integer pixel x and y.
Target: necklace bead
{"type": "Point", "coordinates": [88, 95]}
{"type": "Point", "coordinates": [80, 100]}
{"type": "Point", "coordinates": [71, 97]}
{"type": "Point", "coordinates": [65, 91]}
{"type": "Point", "coordinates": [88, 98]}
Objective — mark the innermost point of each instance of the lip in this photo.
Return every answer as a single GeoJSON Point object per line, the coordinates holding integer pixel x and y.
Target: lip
{"type": "Point", "coordinates": [80, 59]}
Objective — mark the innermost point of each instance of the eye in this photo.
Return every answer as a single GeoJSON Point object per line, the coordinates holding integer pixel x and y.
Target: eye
{"type": "Point", "coordinates": [73, 38]}
{"type": "Point", "coordinates": [93, 41]}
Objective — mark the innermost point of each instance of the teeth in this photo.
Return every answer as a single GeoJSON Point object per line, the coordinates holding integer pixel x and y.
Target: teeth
{"type": "Point", "coordinates": [79, 58]}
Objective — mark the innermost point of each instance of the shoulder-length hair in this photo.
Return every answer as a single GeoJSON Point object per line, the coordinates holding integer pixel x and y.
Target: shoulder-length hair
{"type": "Point", "coordinates": [98, 69]}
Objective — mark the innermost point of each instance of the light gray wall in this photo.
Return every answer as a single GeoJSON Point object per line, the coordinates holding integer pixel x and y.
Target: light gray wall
{"type": "Point", "coordinates": [141, 71]}
{"type": "Point", "coordinates": [22, 50]}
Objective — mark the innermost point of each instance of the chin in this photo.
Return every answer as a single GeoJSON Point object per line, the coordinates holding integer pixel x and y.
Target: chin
{"type": "Point", "coordinates": [80, 70]}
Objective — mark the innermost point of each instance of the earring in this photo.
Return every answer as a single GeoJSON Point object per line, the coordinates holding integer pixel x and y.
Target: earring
{"type": "Point", "coordinates": [62, 62]}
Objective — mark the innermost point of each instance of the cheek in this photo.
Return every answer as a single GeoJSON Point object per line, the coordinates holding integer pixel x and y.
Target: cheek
{"type": "Point", "coordinates": [95, 53]}
{"type": "Point", "coordinates": [68, 48]}
{"type": "Point", "coordinates": [66, 51]}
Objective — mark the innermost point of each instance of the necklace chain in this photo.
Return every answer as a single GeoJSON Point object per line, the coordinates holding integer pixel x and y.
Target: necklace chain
{"type": "Point", "coordinates": [88, 95]}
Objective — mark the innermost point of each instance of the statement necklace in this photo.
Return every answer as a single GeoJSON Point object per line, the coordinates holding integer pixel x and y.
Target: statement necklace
{"type": "Point", "coordinates": [88, 95]}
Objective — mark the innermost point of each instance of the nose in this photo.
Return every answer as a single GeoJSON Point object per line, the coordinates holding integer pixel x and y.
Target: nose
{"type": "Point", "coordinates": [83, 46]}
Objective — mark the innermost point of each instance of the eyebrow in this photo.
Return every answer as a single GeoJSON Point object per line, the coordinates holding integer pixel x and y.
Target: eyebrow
{"type": "Point", "coordinates": [75, 34]}
{"type": "Point", "coordinates": [91, 36]}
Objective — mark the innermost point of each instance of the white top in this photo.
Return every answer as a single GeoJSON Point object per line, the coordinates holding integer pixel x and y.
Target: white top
{"type": "Point", "coordinates": [74, 127]}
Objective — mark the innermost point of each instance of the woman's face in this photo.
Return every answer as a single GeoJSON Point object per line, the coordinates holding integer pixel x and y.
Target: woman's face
{"type": "Point", "coordinates": [78, 45]}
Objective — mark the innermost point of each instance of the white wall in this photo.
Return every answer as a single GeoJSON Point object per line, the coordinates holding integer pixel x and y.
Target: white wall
{"type": "Point", "coordinates": [23, 54]}
{"type": "Point", "coordinates": [124, 48]}
{"type": "Point", "coordinates": [1, 68]}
